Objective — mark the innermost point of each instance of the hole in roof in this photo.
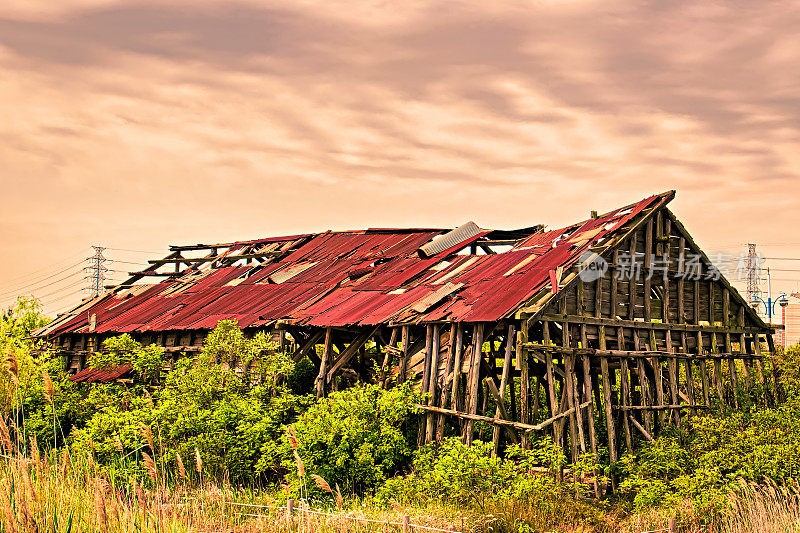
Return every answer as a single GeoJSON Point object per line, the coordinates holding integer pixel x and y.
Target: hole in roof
{"type": "Point", "coordinates": [624, 212]}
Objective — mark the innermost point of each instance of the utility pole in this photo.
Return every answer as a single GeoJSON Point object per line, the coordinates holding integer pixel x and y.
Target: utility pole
{"type": "Point", "coordinates": [97, 271]}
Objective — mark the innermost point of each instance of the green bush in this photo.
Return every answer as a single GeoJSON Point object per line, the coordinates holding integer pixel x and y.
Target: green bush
{"type": "Point", "coordinates": [147, 361]}
{"type": "Point", "coordinates": [357, 437]}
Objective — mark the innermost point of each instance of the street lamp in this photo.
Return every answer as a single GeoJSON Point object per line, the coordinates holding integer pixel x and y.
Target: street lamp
{"type": "Point", "coordinates": [769, 305]}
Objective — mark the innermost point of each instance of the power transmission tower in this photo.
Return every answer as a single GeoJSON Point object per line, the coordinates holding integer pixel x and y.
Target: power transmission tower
{"type": "Point", "coordinates": [97, 271]}
{"type": "Point", "coordinates": [753, 272]}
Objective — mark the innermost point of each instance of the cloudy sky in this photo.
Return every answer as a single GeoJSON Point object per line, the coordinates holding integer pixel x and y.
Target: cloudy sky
{"type": "Point", "coordinates": [135, 124]}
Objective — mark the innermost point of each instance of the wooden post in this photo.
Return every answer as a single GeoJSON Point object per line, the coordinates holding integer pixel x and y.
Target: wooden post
{"type": "Point", "coordinates": [587, 394]}
{"type": "Point", "coordinates": [658, 371]}
{"type": "Point", "coordinates": [626, 401]}
{"type": "Point", "coordinates": [674, 377]}
{"type": "Point", "coordinates": [613, 289]}
{"type": "Point", "coordinates": [646, 399]}
{"type": "Point", "coordinates": [718, 379]}
{"type": "Point", "coordinates": [607, 398]}
{"type": "Point", "coordinates": [455, 397]}
{"type": "Point", "coordinates": [426, 372]}
{"type": "Point", "coordinates": [449, 370]}
{"type": "Point", "coordinates": [406, 523]}
{"type": "Point", "coordinates": [704, 377]}
{"type": "Point", "coordinates": [551, 385]}
{"type": "Point", "coordinates": [434, 374]}
{"type": "Point", "coordinates": [776, 375]}
{"type": "Point", "coordinates": [644, 385]}
{"type": "Point", "coordinates": [734, 381]}
{"type": "Point", "coordinates": [632, 281]}
{"type": "Point", "coordinates": [524, 378]}
{"type": "Point", "coordinates": [503, 386]}
{"type": "Point", "coordinates": [323, 366]}
{"type": "Point", "coordinates": [403, 369]}
{"type": "Point", "coordinates": [760, 368]}
{"type": "Point", "coordinates": [690, 385]}
{"type": "Point", "coordinates": [474, 385]}
{"type": "Point", "coordinates": [575, 419]}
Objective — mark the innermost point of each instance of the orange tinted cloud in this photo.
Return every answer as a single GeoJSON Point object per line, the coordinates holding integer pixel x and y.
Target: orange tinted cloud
{"type": "Point", "coordinates": [138, 124]}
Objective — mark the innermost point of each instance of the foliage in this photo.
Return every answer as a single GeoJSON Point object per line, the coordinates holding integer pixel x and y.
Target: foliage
{"type": "Point", "coordinates": [235, 421]}
{"type": "Point", "coordinates": [20, 377]}
{"type": "Point", "coordinates": [363, 438]}
{"type": "Point", "coordinates": [357, 437]}
{"type": "Point", "coordinates": [124, 350]}
{"type": "Point", "coordinates": [518, 492]}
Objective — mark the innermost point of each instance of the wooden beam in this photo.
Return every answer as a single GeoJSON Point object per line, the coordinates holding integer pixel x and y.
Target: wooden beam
{"type": "Point", "coordinates": [575, 319]}
{"type": "Point", "coordinates": [640, 428]}
{"type": "Point", "coordinates": [457, 366]}
{"type": "Point", "coordinates": [501, 409]}
{"type": "Point", "coordinates": [403, 366]}
{"type": "Point", "coordinates": [503, 385]}
{"type": "Point", "coordinates": [350, 351]}
{"type": "Point", "coordinates": [444, 400]}
{"type": "Point", "coordinates": [434, 374]}
{"type": "Point", "coordinates": [475, 417]}
{"type": "Point", "coordinates": [308, 345]}
{"type": "Point", "coordinates": [326, 353]}
{"type": "Point", "coordinates": [626, 401]}
{"type": "Point", "coordinates": [474, 382]}
{"type": "Point", "coordinates": [524, 365]}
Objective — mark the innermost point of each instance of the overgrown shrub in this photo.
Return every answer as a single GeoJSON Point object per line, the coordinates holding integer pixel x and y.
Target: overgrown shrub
{"type": "Point", "coordinates": [358, 437]}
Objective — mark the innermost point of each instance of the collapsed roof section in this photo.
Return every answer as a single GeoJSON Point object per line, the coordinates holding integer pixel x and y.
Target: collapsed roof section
{"type": "Point", "coordinates": [352, 278]}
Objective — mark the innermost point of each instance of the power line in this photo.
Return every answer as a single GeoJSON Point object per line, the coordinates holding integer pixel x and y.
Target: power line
{"type": "Point", "coordinates": [52, 293]}
{"type": "Point", "coordinates": [134, 251]}
{"type": "Point", "coordinates": [60, 298]}
{"type": "Point", "coordinates": [126, 262]}
{"type": "Point", "coordinates": [43, 278]}
{"type": "Point", "coordinates": [34, 274]}
{"type": "Point", "coordinates": [24, 289]}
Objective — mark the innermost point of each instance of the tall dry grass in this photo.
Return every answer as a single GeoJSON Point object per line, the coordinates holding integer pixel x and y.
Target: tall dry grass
{"type": "Point", "coordinates": [767, 508]}
{"type": "Point", "coordinates": [64, 494]}
{"type": "Point", "coordinates": [70, 495]}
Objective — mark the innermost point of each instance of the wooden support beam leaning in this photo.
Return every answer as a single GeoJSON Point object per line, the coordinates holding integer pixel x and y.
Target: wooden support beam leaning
{"type": "Point", "coordinates": [479, 418]}
{"type": "Point", "coordinates": [501, 409]}
{"type": "Point", "coordinates": [307, 346]}
{"type": "Point", "coordinates": [349, 352]}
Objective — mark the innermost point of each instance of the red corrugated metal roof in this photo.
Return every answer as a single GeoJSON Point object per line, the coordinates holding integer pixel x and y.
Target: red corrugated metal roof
{"type": "Point", "coordinates": [100, 375]}
{"type": "Point", "coordinates": [355, 278]}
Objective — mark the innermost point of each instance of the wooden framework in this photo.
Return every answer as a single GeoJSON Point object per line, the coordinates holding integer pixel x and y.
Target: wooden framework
{"type": "Point", "coordinates": [597, 365]}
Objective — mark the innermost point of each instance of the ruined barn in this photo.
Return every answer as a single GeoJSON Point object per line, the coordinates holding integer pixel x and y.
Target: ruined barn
{"type": "Point", "coordinates": [600, 333]}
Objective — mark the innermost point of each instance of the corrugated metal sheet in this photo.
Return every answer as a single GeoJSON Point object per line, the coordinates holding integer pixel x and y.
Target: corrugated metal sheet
{"type": "Point", "coordinates": [101, 375]}
{"type": "Point", "coordinates": [356, 278]}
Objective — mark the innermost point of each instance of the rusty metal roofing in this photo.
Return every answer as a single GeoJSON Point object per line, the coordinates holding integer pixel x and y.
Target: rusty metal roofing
{"type": "Point", "coordinates": [361, 278]}
{"type": "Point", "coordinates": [100, 375]}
